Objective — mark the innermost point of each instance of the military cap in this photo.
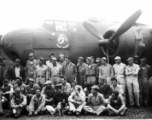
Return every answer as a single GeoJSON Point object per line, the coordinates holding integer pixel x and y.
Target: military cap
{"type": "Point", "coordinates": [53, 58]}
{"type": "Point", "coordinates": [41, 59]}
{"type": "Point", "coordinates": [95, 87]}
{"type": "Point", "coordinates": [17, 89]}
{"type": "Point", "coordinates": [61, 55]}
{"type": "Point", "coordinates": [17, 60]}
{"type": "Point", "coordinates": [144, 59]}
{"type": "Point", "coordinates": [81, 58]}
{"type": "Point", "coordinates": [98, 60]}
{"type": "Point", "coordinates": [89, 58]}
{"type": "Point", "coordinates": [31, 54]}
{"type": "Point", "coordinates": [31, 79]}
{"type": "Point", "coordinates": [104, 58]}
{"type": "Point", "coordinates": [130, 58]}
{"type": "Point", "coordinates": [117, 58]}
{"type": "Point", "coordinates": [58, 85]}
{"type": "Point", "coordinates": [78, 87]}
{"type": "Point", "coordinates": [47, 82]}
{"type": "Point", "coordinates": [52, 54]}
{"type": "Point", "coordinates": [19, 78]}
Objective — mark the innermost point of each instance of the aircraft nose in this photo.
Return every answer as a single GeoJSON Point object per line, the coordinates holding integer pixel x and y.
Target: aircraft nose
{"type": "Point", "coordinates": [17, 43]}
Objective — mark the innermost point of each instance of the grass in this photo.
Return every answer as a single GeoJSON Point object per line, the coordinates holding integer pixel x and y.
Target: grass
{"type": "Point", "coordinates": [132, 113]}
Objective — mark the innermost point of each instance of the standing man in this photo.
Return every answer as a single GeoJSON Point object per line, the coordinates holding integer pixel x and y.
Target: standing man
{"type": "Point", "coordinates": [106, 70]}
{"type": "Point", "coordinates": [54, 72]}
{"type": "Point", "coordinates": [17, 71]}
{"type": "Point", "coordinates": [40, 73]}
{"type": "Point", "coordinates": [61, 60]}
{"type": "Point", "coordinates": [69, 70]}
{"type": "Point", "coordinates": [90, 75]}
{"type": "Point", "coordinates": [96, 102]}
{"type": "Point", "coordinates": [49, 62]}
{"type": "Point", "coordinates": [81, 66]}
{"type": "Point", "coordinates": [30, 67]}
{"type": "Point", "coordinates": [132, 71]}
{"type": "Point", "coordinates": [119, 72]}
{"type": "Point", "coordinates": [144, 75]}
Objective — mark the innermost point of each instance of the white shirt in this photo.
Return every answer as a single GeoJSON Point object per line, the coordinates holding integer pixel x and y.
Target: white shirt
{"type": "Point", "coordinates": [132, 71]}
{"type": "Point", "coordinates": [49, 63]}
{"type": "Point", "coordinates": [17, 71]}
{"type": "Point", "coordinates": [119, 69]}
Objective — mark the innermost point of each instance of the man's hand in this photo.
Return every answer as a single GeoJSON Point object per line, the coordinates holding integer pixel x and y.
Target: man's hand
{"type": "Point", "coordinates": [35, 112]}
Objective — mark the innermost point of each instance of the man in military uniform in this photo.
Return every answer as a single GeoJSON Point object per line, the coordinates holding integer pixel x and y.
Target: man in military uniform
{"type": "Point", "coordinates": [18, 102]}
{"type": "Point", "coordinates": [81, 71]}
{"type": "Point", "coordinates": [144, 75]}
{"type": "Point", "coordinates": [54, 72]}
{"type": "Point", "coordinates": [119, 73]}
{"type": "Point", "coordinates": [37, 103]}
{"type": "Point", "coordinates": [90, 74]}
{"type": "Point", "coordinates": [69, 70]}
{"type": "Point", "coordinates": [30, 67]}
{"type": "Point", "coordinates": [116, 104]}
{"type": "Point", "coordinates": [132, 71]}
{"type": "Point", "coordinates": [30, 90]}
{"type": "Point", "coordinates": [96, 102]}
{"type": "Point", "coordinates": [49, 62]}
{"type": "Point", "coordinates": [61, 60]}
{"type": "Point", "coordinates": [40, 72]}
{"type": "Point", "coordinates": [66, 87]}
{"type": "Point", "coordinates": [106, 70]}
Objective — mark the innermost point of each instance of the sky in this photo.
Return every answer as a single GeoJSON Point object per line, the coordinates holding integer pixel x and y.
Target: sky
{"type": "Point", "coordinates": [32, 13]}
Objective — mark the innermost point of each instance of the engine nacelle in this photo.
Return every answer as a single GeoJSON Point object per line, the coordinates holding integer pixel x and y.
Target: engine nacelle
{"type": "Point", "coordinates": [125, 45]}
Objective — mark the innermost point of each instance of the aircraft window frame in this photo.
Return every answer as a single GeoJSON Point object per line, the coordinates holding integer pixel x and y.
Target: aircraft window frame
{"type": "Point", "coordinates": [61, 29]}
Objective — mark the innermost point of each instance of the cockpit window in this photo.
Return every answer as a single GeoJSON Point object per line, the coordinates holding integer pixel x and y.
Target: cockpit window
{"type": "Point", "coordinates": [61, 26]}
{"type": "Point", "coordinates": [49, 24]}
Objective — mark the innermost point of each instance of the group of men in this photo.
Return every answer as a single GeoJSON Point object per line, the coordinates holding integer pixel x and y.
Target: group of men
{"type": "Point", "coordinates": [61, 87]}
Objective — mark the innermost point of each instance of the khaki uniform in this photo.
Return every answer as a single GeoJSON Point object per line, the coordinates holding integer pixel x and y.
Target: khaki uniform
{"type": "Point", "coordinates": [81, 73]}
{"type": "Point", "coordinates": [30, 68]}
{"type": "Point", "coordinates": [144, 76]}
{"type": "Point", "coordinates": [107, 72]}
{"type": "Point", "coordinates": [66, 88]}
{"type": "Point", "coordinates": [18, 104]}
{"type": "Point", "coordinates": [95, 104]}
{"type": "Point", "coordinates": [118, 88]}
{"type": "Point", "coordinates": [37, 104]}
{"type": "Point", "coordinates": [119, 72]}
{"type": "Point", "coordinates": [70, 72]}
{"type": "Point", "coordinates": [40, 75]}
{"type": "Point", "coordinates": [79, 98]}
{"type": "Point", "coordinates": [54, 73]}
{"type": "Point", "coordinates": [132, 84]}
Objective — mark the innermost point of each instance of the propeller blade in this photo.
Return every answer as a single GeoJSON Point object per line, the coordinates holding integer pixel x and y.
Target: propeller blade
{"type": "Point", "coordinates": [126, 25]}
{"type": "Point", "coordinates": [91, 29]}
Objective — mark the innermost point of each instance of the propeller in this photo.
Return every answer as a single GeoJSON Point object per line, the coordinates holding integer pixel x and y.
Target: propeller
{"type": "Point", "coordinates": [123, 28]}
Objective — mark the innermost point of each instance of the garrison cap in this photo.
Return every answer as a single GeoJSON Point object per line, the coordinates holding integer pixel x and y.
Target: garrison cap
{"type": "Point", "coordinates": [41, 59]}
{"type": "Point", "coordinates": [47, 82]}
{"type": "Point", "coordinates": [58, 85]}
{"type": "Point", "coordinates": [31, 79]}
{"type": "Point", "coordinates": [53, 58]}
{"type": "Point", "coordinates": [17, 60]}
{"type": "Point", "coordinates": [89, 58]}
{"type": "Point", "coordinates": [98, 59]}
{"type": "Point", "coordinates": [31, 54]}
{"type": "Point", "coordinates": [143, 59]}
{"type": "Point", "coordinates": [95, 87]}
{"type": "Point", "coordinates": [19, 78]}
{"type": "Point", "coordinates": [104, 58]}
{"type": "Point", "coordinates": [81, 58]}
{"type": "Point", "coordinates": [17, 89]}
{"type": "Point", "coordinates": [61, 55]}
{"type": "Point", "coordinates": [130, 58]}
{"type": "Point", "coordinates": [117, 58]}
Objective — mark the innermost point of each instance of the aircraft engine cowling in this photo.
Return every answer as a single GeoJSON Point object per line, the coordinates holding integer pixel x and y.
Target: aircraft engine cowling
{"type": "Point", "coordinates": [124, 45]}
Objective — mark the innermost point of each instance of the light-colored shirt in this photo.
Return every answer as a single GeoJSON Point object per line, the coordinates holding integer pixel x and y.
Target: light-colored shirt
{"type": "Point", "coordinates": [17, 71]}
{"type": "Point", "coordinates": [119, 69]}
{"type": "Point", "coordinates": [118, 88]}
{"type": "Point", "coordinates": [40, 71]}
{"type": "Point", "coordinates": [49, 63]}
{"type": "Point", "coordinates": [66, 88]}
{"type": "Point", "coordinates": [96, 100]}
{"type": "Point", "coordinates": [105, 70]}
{"type": "Point", "coordinates": [75, 97]}
{"type": "Point", "coordinates": [30, 67]}
{"type": "Point", "coordinates": [54, 70]}
{"type": "Point", "coordinates": [132, 71]}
